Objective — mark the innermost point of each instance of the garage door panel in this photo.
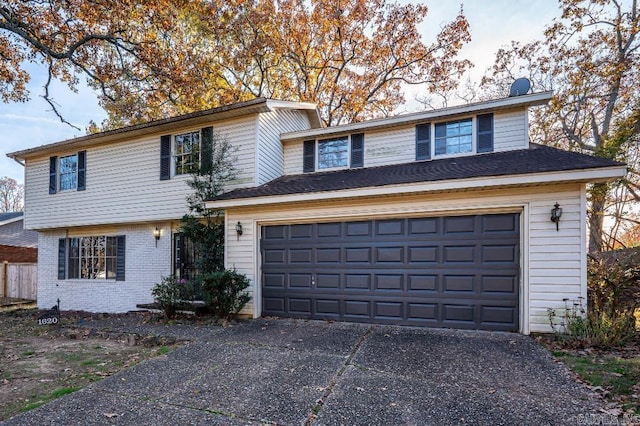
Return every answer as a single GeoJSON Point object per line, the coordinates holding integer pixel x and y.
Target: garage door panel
{"type": "Point", "coordinates": [389, 282]}
{"type": "Point", "coordinates": [301, 231]}
{"type": "Point", "coordinates": [506, 253]}
{"type": "Point", "coordinates": [389, 310]}
{"type": "Point", "coordinates": [358, 229]}
{"type": "Point", "coordinates": [422, 283]}
{"type": "Point", "coordinates": [423, 226]}
{"type": "Point", "coordinates": [389, 254]}
{"type": "Point", "coordinates": [273, 280]}
{"type": "Point", "coordinates": [459, 254]}
{"type": "Point", "coordinates": [357, 281]}
{"type": "Point", "coordinates": [458, 283]}
{"type": "Point", "coordinates": [459, 224]}
{"type": "Point", "coordinates": [500, 223]}
{"type": "Point", "coordinates": [357, 308]}
{"type": "Point", "coordinates": [299, 305]}
{"type": "Point", "coordinates": [506, 284]}
{"type": "Point", "coordinates": [457, 271]}
{"type": "Point", "coordinates": [358, 254]}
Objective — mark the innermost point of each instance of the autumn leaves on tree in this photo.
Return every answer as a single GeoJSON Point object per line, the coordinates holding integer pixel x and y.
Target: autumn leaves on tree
{"type": "Point", "coordinates": [157, 58]}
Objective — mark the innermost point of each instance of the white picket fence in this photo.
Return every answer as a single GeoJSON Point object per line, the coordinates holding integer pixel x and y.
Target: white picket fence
{"type": "Point", "coordinates": [19, 280]}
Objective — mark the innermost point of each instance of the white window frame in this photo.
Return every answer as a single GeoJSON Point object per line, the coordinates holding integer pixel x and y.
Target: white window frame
{"type": "Point", "coordinates": [472, 135]}
{"type": "Point", "coordinates": [185, 166]}
{"type": "Point", "coordinates": [73, 174]}
{"type": "Point", "coordinates": [96, 258]}
{"type": "Point", "coordinates": [347, 139]}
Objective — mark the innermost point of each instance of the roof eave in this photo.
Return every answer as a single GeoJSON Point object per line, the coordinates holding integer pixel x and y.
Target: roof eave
{"type": "Point", "coordinates": [168, 124]}
{"type": "Point", "coordinates": [585, 175]}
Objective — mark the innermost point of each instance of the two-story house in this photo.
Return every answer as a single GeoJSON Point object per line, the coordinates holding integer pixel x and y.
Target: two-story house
{"type": "Point", "coordinates": [107, 206]}
{"type": "Point", "coordinates": [439, 218]}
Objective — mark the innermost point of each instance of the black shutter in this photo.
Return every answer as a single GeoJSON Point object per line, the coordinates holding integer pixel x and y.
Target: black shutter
{"type": "Point", "coordinates": [357, 150]}
{"type": "Point", "coordinates": [206, 150]}
{"type": "Point", "coordinates": [53, 176]}
{"type": "Point", "coordinates": [62, 258]}
{"type": "Point", "coordinates": [423, 141]}
{"type": "Point", "coordinates": [178, 255]}
{"type": "Point", "coordinates": [165, 157]}
{"type": "Point", "coordinates": [309, 156]}
{"type": "Point", "coordinates": [485, 133]}
{"type": "Point", "coordinates": [82, 170]}
{"type": "Point", "coordinates": [120, 254]}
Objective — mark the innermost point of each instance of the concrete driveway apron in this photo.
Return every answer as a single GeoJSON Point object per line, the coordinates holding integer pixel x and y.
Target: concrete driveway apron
{"type": "Point", "coordinates": [296, 372]}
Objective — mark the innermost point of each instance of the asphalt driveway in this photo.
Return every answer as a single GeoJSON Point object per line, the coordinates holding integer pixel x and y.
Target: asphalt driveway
{"type": "Point", "coordinates": [292, 372]}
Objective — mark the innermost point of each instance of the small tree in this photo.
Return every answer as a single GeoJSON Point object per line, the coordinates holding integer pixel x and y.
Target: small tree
{"type": "Point", "coordinates": [205, 227]}
{"type": "Point", "coordinates": [223, 289]}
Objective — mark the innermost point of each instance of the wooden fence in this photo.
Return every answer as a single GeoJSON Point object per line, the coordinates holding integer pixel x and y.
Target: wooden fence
{"type": "Point", "coordinates": [19, 280]}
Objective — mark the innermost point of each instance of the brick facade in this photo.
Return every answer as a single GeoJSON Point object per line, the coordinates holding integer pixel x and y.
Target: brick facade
{"type": "Point", "coordinates": [145, 264]}
{"type": "Point", "coordinates": [13, 254]}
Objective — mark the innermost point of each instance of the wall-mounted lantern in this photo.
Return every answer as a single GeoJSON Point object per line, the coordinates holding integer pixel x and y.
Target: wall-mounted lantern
{"type": "Point", "coordinates": [239, 229]}
{"type": "Point", "coordinates": [556, 214]}
{"type": "Point", "coordinates": [156, 235]}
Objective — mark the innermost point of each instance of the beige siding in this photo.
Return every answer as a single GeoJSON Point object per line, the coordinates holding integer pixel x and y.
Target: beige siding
{"type": "Point", "coordinates": [510, 131]}
{"type": "Point", "coordinates": [397, 145]}
{"type": "Point", "coordinates": [293, 157]}
{"type": "Point", "coordinates": [270, 150]}
{"type": "Point", "coordinates": [123, 183]}
{"type": "Point", "coordinates": [551, 261]}
{"type": "Point", "coordinates": [390, 147]}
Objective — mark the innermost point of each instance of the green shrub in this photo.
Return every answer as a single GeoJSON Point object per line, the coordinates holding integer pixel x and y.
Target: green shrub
{"type": "Point", "coordinates": [171, 294]}
{"type": "Point", "coordinates": [224, 292]}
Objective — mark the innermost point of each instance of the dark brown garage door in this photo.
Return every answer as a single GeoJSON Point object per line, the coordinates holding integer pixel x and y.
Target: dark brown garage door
{"type": "Point", "coordinates": [459, 272]}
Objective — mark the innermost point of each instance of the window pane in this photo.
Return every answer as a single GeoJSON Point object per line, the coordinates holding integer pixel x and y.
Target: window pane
{"type": "Point", "coordinates": [186, 152]}
{"type": "Point", "coordinates": [453, 137]}
{"type": "Point", "coordinates": [333, 153]}
{"type": "Point", "coordinates": [68, 174]}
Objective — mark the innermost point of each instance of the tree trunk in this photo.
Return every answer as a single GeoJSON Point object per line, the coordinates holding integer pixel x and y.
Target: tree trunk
{"type": "Point", "coordinates": [597, 199]}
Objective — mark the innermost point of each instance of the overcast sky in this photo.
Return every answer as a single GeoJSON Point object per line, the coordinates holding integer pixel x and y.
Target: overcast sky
{"type": "Point", "coordinates": [494, 23]}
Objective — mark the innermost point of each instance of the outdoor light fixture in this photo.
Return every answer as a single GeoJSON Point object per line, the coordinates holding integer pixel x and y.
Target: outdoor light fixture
{"type": "Point", "coordinates": [239, 229]}
{"type": "Point", "coordinates": [556, 213]}
{"type": "Point", "coordinates": [156, 235]}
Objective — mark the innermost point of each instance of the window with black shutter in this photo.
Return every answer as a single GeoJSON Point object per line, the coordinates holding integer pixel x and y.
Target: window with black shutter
{"type": "Point", "coordinates": [309, 156]}
{"type": "Point", "coordinates": [165, 157]}
{"type": "Point", "coordinates": [485, 133]}
{"type": "Point", "coordinates": [357, 150]}
{"type": "Point", "coordinates": [423, 141]}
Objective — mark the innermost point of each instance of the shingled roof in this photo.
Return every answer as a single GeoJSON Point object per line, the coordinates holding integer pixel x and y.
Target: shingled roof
{"type": "Point", "coordinates": [536, 159]}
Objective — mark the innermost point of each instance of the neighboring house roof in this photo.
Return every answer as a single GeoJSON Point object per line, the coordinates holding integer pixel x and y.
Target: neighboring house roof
{"type": "Point", "coordinates": [169, 124]}
{"type": "Point", "coordinates": [536, 159]}
{"type": "Point", "coordinates": [10, 217]}
{"type": "Point", "coordinates": [12, 232]}
{"type": "Point", "coordinates": [441, 114]}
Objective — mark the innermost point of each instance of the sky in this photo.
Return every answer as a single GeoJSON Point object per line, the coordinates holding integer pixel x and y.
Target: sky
{"type": "Point", "coordinates": [493, 24]}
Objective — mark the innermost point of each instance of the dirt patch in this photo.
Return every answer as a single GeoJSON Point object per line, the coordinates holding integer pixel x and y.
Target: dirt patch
{"type": "Point", "coordinates": [41, 363]}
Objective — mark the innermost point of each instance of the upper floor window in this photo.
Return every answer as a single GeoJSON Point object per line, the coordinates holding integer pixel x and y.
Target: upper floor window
{"type": "Point", "coordinates": [68, 173]}
{"type": "Point", "coordinates": [454, 137]}
{"type": "Point", "coordinates": [189, 152]}
{"type": "Point", "coordinates": [68, 179]}
{"type": "Point", "coordinates": [333, 153]}
{"type": "Point", "coordinates": [186, 152]}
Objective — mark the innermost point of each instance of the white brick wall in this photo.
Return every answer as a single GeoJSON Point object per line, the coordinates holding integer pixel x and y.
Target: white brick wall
{"type": "Point", "coordinates": [145, 264]}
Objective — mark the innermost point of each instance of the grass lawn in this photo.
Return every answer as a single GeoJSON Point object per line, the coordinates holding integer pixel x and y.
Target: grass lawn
{"type": "Point", "coordinates": [615, 375]}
